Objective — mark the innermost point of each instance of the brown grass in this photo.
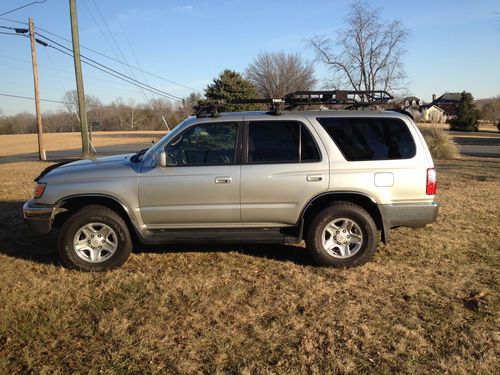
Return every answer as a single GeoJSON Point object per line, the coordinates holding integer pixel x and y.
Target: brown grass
{"type": "Point", "coordinates": [440, 143]}
{"type": "Point", "coordinates": [427, 303]}
{"type": "Point", "coordinates": [12, 144]}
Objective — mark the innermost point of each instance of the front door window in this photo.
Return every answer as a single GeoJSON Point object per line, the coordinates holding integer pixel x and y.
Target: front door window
{"type": "Point", "coordinates": [204, 144]}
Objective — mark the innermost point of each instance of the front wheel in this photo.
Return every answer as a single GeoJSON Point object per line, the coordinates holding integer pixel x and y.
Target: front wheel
{"type": "Point", "coordinates": [342, 235]}
{"type": "Point", "coordinates": [95, 238]}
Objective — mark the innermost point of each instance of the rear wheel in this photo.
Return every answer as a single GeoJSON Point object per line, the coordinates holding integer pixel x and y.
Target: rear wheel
{"type": "Point", "coordinates": [95, 238]}
{"type": "Point", "coordinates": [342, 235]}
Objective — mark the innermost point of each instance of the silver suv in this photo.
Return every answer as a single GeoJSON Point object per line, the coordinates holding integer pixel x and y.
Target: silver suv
{"type": "Point", "coordinates": [332, 178]}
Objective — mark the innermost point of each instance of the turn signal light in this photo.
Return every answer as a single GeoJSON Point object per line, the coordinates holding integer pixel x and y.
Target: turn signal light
{"type": "Point", "coordinates": [39, 189]}
{"type": "Point", "coordinates": [431, 186]}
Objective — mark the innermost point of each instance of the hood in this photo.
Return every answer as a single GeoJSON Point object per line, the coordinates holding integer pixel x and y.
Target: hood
{"type": "Point", "coordinates": [96, 168]}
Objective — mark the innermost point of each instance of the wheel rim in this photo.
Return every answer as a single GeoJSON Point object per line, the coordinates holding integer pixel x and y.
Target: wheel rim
{"type": "Point", "coordinates": [95, 242]}
{"type": "Point", "coordinates": [342, 238]}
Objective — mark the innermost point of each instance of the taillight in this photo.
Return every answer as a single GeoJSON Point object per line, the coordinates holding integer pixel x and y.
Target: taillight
{"type": "Point", "coordinates": [431, 185]}
{"type": "Point", "coordinates": [39, 189]}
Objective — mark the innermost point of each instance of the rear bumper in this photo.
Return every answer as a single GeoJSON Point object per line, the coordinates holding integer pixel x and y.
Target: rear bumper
{"type": "Point", "coordinates": [407, 215]}
{"type": "Point", "coordinates": [38, 217]}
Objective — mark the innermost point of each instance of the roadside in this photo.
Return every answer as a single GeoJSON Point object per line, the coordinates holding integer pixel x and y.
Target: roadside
{"type": "Point", "coordinates": [484, 143]}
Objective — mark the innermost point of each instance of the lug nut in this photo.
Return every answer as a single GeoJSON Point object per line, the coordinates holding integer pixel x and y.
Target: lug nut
{"type": "Point", "coordinates": [91, 236]}
{"type": "Point", "coordinates": [348, 236]}
{"type": "Point", "coordinates": [337, 232]}
{"type": "Point", "coordinates": [103, 241]}
{"type": "Point", "coordinates": [344, 231]}
{"type": "Point", "coordinates": [98, 235]}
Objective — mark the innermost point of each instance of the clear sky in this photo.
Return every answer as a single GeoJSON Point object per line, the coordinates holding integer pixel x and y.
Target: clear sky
{"type": "Point", "coordinates": [454, 45]}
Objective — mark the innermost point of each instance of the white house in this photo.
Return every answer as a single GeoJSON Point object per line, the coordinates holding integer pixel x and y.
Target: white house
{"type": "Point", "coordinates": [432, 113]}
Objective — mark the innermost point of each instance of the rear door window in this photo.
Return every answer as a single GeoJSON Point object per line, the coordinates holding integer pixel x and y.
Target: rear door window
{"type": "Point", "coordinates": [363, 138]}
{"type": "Point", "coordinates": [280, 142]}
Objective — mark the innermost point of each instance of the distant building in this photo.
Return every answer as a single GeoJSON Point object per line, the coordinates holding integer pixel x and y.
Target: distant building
{"type": "Point", "coordinates": [432, 113]}
{"type": "Point", "coordinates": [410, 102]}
{"type": "Point", "coordinates": [448, 102]}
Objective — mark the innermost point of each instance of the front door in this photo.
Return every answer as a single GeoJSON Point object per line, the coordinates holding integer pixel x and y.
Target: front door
{"type": "Point", "coordinates": [200, 187]}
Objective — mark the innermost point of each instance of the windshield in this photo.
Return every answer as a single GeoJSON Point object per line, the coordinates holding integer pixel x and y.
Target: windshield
{"type": "Point", "coordinates": [162, 142]}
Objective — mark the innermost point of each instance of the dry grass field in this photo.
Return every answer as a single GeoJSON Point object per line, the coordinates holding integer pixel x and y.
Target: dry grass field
{"type": "Point", "coordinates": [12, 144]}
{"type": "Point", "coordinates": [427, 303]}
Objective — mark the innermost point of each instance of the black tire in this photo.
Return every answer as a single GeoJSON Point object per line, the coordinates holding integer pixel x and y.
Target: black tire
{"type": "Point", "coordinates": [91, 214]}
{"type": "Point", "coordinates": [342, 210]}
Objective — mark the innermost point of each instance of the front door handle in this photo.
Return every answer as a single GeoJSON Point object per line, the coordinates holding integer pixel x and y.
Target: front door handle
{"type": "Point", "coordinates": [314, 178]}
{"type": "Point", "coordinates": [223, 180]}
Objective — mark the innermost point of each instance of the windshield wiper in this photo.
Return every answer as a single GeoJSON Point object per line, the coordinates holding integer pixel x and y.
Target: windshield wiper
{"type": "Point", "coordinates": [138, 156]}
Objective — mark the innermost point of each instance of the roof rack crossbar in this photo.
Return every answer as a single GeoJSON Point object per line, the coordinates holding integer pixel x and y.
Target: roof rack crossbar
{"type": "Point", "coordinates": [349, 99]}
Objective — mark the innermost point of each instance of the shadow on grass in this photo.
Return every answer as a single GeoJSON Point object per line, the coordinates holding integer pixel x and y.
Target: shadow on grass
{"type": "Point", "coordinates": [16, 241]}
{"type": "Point", "coordinates": [283, 253]}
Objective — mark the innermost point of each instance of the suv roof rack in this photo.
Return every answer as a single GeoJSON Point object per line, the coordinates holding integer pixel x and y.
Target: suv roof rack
{"type": "Point", "coordinates": [333, 99]}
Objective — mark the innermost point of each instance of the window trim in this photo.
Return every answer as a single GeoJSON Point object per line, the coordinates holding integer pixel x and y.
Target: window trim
{"type": "Point", "coordinates": [237, 144]}
{"type": "Point", "coordinates": [246, 138]}
{"type": "Point", "coordinates": [367, 117]}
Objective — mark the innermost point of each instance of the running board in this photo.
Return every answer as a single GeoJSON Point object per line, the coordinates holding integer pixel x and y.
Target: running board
{"type": "Point", "coordinates": [220, 236]}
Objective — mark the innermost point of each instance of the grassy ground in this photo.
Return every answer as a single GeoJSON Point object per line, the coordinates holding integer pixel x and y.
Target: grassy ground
{"type": "Point", "coordinates": [428, 302]}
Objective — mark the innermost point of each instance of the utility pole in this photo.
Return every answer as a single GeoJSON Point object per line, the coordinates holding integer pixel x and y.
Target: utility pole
{"type": "Point", "coordinates": [79, 80]}
{"type": "Point", "coordinates": [41, 151]}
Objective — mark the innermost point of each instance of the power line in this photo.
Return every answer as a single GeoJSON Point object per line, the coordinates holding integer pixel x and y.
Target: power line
{"type": "Point", "coordinates": [54, 101]}
{"type": "Point", "coordinates": [88, 77]}
{"type": "Point", "coordinates": [123, 60]}
{"type": "Point", "coordinates": [108, 57]}
{"type": "Point", "coordinates": [6, 33]}
{"type": "Point", "coordinates": [171, 96]}
{"type": "Point", "coordinates": [13, 21]}
{"type": "Point", "coordinates": [30, 98]}
{"type": "Point", "coordinates": [140, 69]}
{"type": "Point", "coordinates": [23, 6]}
{"type": "Point", "coordinates": [121, 76]}
{"type": "Point", "coordinates": [103, 68]}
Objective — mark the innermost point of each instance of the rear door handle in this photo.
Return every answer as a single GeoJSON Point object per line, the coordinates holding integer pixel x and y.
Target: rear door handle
{"type": "Point", "coordinates": [223, 180]}
{"type": "Point", "coordinates": [314, 178]}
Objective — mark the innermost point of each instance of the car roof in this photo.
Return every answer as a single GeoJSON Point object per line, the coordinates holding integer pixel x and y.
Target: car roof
{"type": "Point", "coordinates": [306, 113]}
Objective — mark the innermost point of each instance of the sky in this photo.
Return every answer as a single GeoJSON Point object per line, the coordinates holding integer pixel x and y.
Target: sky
{"type": "Point", "coordinates": [453, 46]}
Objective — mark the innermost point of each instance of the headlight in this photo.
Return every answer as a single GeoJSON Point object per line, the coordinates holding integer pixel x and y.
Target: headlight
{"type": "Point", "coordinates": [39, 189]}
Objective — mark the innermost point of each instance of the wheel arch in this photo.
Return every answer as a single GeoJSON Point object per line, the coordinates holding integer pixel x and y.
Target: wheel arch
{"type": "Point", "coordinates": [68, 205]}
{"type": "Point", "coordinates": [319, 202]}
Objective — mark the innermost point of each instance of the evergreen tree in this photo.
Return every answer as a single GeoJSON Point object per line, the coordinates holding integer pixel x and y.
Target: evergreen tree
{"type": "Point", "coordinates": [231, 85]}
{"type": "Point", "coordinates": [466, 114]}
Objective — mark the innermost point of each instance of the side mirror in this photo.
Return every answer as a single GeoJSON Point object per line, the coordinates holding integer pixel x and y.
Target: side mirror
{"type": "Point", "coordinates": [163, 158]}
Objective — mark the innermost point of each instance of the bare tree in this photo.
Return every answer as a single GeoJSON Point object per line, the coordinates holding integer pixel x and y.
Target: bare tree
{"type": "Point", "coordinates": [275, 74]}
{"type": "Point", "coordinates": [367, 54]}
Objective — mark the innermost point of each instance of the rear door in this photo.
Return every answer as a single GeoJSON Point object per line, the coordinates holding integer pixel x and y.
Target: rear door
{"type": "Point", "coordinates": [283, 167]}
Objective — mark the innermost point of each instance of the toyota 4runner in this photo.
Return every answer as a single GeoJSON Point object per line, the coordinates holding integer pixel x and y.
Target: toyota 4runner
{"type": "Point", "coordinates": [334, 178]}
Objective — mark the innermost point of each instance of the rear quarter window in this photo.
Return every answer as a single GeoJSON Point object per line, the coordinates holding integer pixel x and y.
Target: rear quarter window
{"type": "Point", "coordinates": [362, 138]}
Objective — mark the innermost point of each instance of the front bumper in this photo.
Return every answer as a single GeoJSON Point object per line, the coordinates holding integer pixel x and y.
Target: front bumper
{"type": "Point", "coordinates": [416, 215]}
{"type": "Point", "coordinates": [38, 217]}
